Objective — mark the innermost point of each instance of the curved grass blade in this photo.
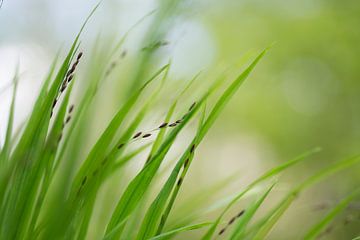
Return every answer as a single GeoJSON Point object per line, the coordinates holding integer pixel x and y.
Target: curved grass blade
{"type": "Point", "coordinates": [220, 104]}
{"type": "Point", "coordinates": [274, 171]}
{"type": "Point", "coordinates": [141, 182]}
{"type": "Point", "coordinates": [248, 215]}
{"type": "Point", "coordinates": [272, 218]}
{"type": "Point", "coordinates": [93, 188]}
{"type": "Point", "coordinates": [97, 154]}
{"type": "Point", "coordinates": [316, 229]}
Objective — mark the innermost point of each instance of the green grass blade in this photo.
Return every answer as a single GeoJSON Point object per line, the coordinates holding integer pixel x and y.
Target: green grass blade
{"type": "Point", "coordinates": [140, 183]}
{"type": "Point", "coordinates": [268, 222]}
{"type": "Point", "coordinates": [5, 151]}
{"type": "Point", "coordinates": [97, 154]}
{"type": "Point", "coordinates": [179, 230]}
{"type": "Point", "coordinates": [272, 172]}
{"type": "Point", "coordinates": [248, 215]}
{"type": "Point", "coordinates": [219, 106]}
{"type": "Point", "coordinates": [316, 229]}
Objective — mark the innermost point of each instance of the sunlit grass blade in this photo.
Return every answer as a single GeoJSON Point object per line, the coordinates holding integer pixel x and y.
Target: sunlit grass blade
{"type": "Point", "coordinates": [140, 183]}
{"type": "Point", "coordinates": [49, 152]}
{"type": "Point", "coordinates": [97, 154]}
{"type": "Point", "coordinates": [219, 105]}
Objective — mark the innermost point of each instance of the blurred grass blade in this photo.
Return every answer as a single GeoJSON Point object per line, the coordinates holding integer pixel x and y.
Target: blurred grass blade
{"type": "Point", "coordinates": [317, 228]}
{"type": "Point", "coordinates": [248, 215]}
{"type": "Point", "coordinates": [179, 230]}
{"type": "Point", "coordinates": [268, 222]}
{"type": "Point", "coordinates": [272, 172]}
{"type": "Point", "coordinates": [5, 151]}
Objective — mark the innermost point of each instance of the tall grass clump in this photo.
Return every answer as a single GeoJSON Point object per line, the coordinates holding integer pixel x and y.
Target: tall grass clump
{"type": "Point", "coordinates": [54, 186]}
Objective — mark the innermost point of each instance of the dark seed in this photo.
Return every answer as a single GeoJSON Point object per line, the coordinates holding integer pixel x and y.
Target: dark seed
{"type": "Point", "coordinates": [179, 181]}
{"type": "Point", "coordinates": [83, 181]}
{"type": "Point", "coordinates": [70, 78]}
{"type": "Point", "coordinates": [232, 220]}
{"type": "Point", "coordinates": [54, 103]}
{"type": "Point", "coordinates": [71, 108]}
{"type": "Point", "coordinates": [163, 125]}
{"type": "Point", "coordinates": [79, 55]}
{"type": "Point", "coordinates": [68, 119]}
{"type": "Point", "coordinates": [192, 106]}
{"type": "Point", "coordinates": [222, 231]}
{"type": "Point", "coordinates": [113, 64]}
{"type": "Point", "coordinates": [178, 121]}
{"type": "Point", "coordinates": [72, 69]}
{"type": "Point", "coordinates": [192, 148]}
{"type": "Point", "coordinates": [172, 125]}
{"type": "Point", "coordinates": [60, 137]}
{"type": "Point", "coordinates": [186, 163]}
{"type": "Point", "coordinates": [121, 145]}
{"type": "Point", "coordinates": [147, 135]}
{"type": "Point", "coordinates": [137, 135]}
{"type": "Point", "coordinates": [240, 213]}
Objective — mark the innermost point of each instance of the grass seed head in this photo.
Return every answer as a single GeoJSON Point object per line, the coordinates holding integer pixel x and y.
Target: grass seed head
{"type": "Point", "coordinates": [173, 124]}
{"type": "Point", "coordinates": [71, 108]}
{"type": "Point", "coordinates": [137, 135]}
{"type": "Point", "coordinates": [163, 125]}
{"type": "Point", "coordinates": [146, 135]}
{"type": "Point", "coordinates": [192, 149]}
{"type": "Point", "coordinates": [84, 181]}
{"type": "Point", "coordinates": [192, 106]}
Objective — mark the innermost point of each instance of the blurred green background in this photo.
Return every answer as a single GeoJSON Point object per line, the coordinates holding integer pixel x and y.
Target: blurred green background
{"type": "Point", "coordinates": [305, 93]}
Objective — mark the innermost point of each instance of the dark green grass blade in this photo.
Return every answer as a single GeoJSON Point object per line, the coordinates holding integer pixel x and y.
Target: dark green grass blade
{"type": "Point", "coordinates": [317, 228]}
{"type": "Point", "coordinates": [208, 235]}
{"type": "Point", "coordinates": [268, 222]}
{"type": "Point", "coordinates": [248, 215]}
{"type": "Point", "coordinates": [166, 235]}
